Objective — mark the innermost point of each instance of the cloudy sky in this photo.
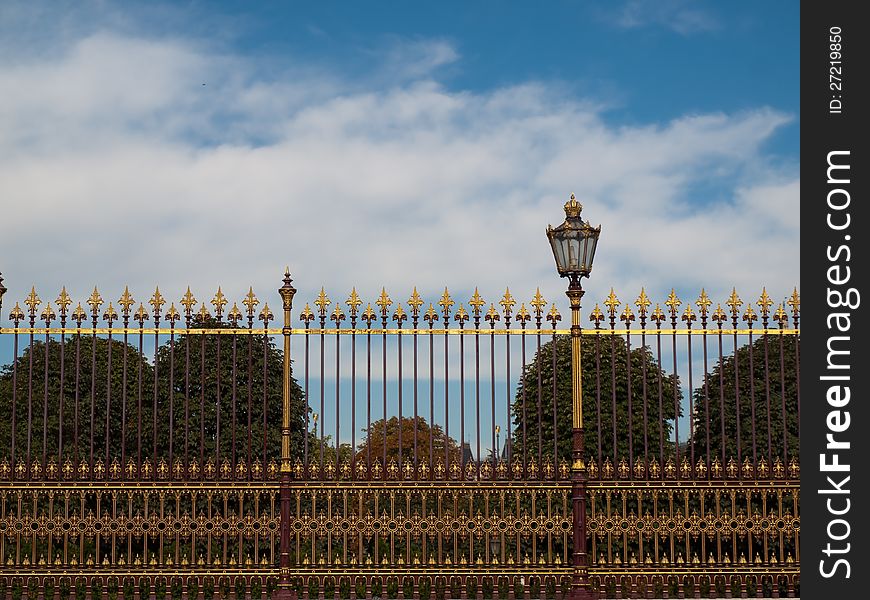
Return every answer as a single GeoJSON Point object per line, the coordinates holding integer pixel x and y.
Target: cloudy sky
{"type": "Point", "coordinates": [397, 144]}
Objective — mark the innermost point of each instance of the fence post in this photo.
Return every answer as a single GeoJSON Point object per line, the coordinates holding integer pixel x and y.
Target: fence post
{"type": "Point", "coordinates": [285, 592]}
{"type": "Point", "coordinates": [580, 577]}
{"type": "Point", "coordinates": [2, 291]}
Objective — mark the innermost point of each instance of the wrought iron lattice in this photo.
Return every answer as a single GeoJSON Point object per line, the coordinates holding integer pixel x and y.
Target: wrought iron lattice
{"type": "Point", "coordinates": [416, 449]}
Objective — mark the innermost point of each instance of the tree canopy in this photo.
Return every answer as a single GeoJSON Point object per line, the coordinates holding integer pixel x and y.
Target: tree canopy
{"type": "Point", "coordinates": [389, 430]}
{"type": "Point", "coordinates": [766, 369]}
{"type": "Point", "coordinates": [605, 376]}
{"type": "Point", "coordinates": [233, 387]}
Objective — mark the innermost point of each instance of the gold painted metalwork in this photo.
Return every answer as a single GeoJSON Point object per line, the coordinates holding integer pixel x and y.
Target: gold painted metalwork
{"type": "Point", "coordinates": [157, 301]}
{"type": "Point", "coordinates": [596, 316]}
{"type": "Point", "coordinates": [696, 525]}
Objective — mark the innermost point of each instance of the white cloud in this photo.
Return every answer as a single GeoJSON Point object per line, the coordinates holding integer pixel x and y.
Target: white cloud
{"type": "Point", "coordinates": [120, 167]}
{"type": "Point", "coordinates": [682, 16]}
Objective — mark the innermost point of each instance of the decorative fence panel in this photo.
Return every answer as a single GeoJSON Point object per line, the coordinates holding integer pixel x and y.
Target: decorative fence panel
{"type": "Point", "coordinates": [705, 505]}
{"type": "Point", "coordinates": [415, 449]}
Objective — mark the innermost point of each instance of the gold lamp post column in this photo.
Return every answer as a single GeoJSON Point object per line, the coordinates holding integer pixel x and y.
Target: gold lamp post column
{"type": "Point", "coordinates": [285, 591]}
{"type": "Point", "coordinates": [574, 243]}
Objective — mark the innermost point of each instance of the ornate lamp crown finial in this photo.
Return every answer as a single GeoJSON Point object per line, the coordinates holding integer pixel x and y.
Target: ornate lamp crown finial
{"type": "Point", "coordinates": [572, 207]}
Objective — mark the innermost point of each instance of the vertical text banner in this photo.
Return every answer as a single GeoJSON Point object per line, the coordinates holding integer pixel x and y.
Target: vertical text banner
{"type": "Point", "coordinates": [834, 399]}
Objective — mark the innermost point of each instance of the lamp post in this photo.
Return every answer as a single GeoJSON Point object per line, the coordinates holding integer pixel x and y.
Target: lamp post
{"type": "Point", "coordinates": [574, 243]}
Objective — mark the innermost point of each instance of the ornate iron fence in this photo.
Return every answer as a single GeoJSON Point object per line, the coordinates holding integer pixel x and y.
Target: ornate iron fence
{"type": "Point", "coordinates": [414, 450]}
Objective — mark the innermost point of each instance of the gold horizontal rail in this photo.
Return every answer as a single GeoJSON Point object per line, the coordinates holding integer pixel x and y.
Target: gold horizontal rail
{"type": "Point", "coordinates": [138, 571]}
{"type": "Point", "coordinates": [358, 331]}
{"type": "Point", "coordinates": [699, 569]}
{"type": "Point", "coordinates": [163, 486]}
{"type": "Point", "coordinates": [759, 485]}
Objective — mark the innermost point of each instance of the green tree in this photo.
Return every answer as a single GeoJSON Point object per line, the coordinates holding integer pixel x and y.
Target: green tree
{"type": "Point", "coordinates": [96, 401]}
{"type": "Point", "coordinates": [390, 429]}
{"type": "Point", "coordinates": [605, 364]}
{"type": "Point", "coordinates": [778, 382]}
{"type": "Point", "coordinates": [233, 385]}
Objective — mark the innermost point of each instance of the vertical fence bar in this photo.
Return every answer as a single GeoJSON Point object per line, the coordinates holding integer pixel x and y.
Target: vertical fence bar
{"type": "Point", "coordinates": [285, 591]}
{"type": "Point", "coordinates": [354, 303]}
{"type": "Point", "coordinates": [33, 302]}
{"type": "Point", "coordinates": [109, 316]}
{"type": "Point", "coordinates": [15, 319]}
{"type": "Point", "coordinates": [47, 315]}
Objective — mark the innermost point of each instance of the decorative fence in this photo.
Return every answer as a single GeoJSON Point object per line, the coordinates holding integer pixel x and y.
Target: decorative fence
{"type": "Point", "coordinates": [414, 450]}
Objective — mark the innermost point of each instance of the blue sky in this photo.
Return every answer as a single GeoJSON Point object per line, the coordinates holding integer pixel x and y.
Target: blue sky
{"type": "Point", "coordinates": [208, 144]}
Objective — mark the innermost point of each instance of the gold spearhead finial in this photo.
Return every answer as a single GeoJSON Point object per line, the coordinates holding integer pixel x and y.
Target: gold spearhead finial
{"type": "Point", "coordinates": [719, 315]}
{"type": "Point", "coordinates": [445, 303]}
{"type": "Point", "coordinates": [461, 315]}
{"type": "Point", "coordinates": [266, 314]}
{"type": "Point", "coordinates": [306, 315]}
{"type": "Point", "coordinates": [32, 301]}
{"type": "Point", "coordinates": [523, 315]}
{"type": "Point", "coordinates": [780, 316]}
{"type": "Point", "coordinates": [353, 302]}
{"type": "Point", "coordinates": [415, 302]}
{"type": "Point", "coordinates": [430, 315]}
{"type": "Point", "coordinates": [337, 314]}
{"type": "Point", "coordinates": [235, 315]}
{"type": "Point", "coordinates": [369, 314]}
{"type": "Point", "coordinates": [749, 316]}
{"type": "Point", "coordinates": [612, 303]}
{"type": "Point", "coordinates": [63, 301]}
{"type": "Point", "coordinates": [673, 303]}
{"type": "Point", "coordinates": [322, 302]}
{"type": "Point", "coordinates": [538, 302]}
{"type": "Point", "coordinates": [48, 314]}
{"type": "Point", "coordinates": [399, 315]}
{"type": "Point", "coordinates": [689, 315]}
{"type": "Point", "coordinates": [554, 315]}
{"type": "Point", "coordinates": [111, 314]}
{"type": "Point", "coordinates": [492, 315]}
{"type": "Point", "coordinates": [596, 316]}
{"type": "Point", "coordinates": [734, 302]}
{"type": "Point", "coordinates": [643, 303]}
{"type": "Point", "coordinates": [171, 314]}
{"type": "Point", "coordinates": [141, 314]}
{"type": "Point", "coordinates": [188, 301]}
{"type": "Point", "coordinates": [203, 312]}
{"type": "Point", "coordinates": [384, 302]}
{"type": "Point", "coordinates": [219, 301]}
{"type": "Point", "coordinates": [476, 302]}
{"type": "Point", "coordinates": [157, 301]}
{"type": "Point", "coordinates": [657, 315]}
{"type": "Point", "coordinates": [250, 302]}
{"type": "Point", "coordinates": [95, 301]}
{"type": "Point", "coordinates": [507, 302]}
{"type": "Point", "coordinates": [764, 302]}
{"type": "Point", "coordinates": [79, 314]}
{"type": "Point", "coordinates": [16, 314]}
{"type": "Point", "coordinates": [627, 315]}
{"type": "Point", "coordinates": [795, 302]}
{"type": "Point", "coordinates": [703, 303]}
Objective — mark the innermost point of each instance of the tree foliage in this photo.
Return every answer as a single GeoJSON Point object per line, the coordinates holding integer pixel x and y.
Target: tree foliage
{"type": "Point", "coordinates": [210, 390]}
{"type": "Point", "coordinates": [425, 433]}
{"type": "Point", "coordinates": [605, 376]}
{"type": "Point", "coordinates": [716, 399]}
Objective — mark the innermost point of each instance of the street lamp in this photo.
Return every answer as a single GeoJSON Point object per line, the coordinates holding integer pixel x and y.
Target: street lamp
{"type": "Point", "coordinates": [574, 243]}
